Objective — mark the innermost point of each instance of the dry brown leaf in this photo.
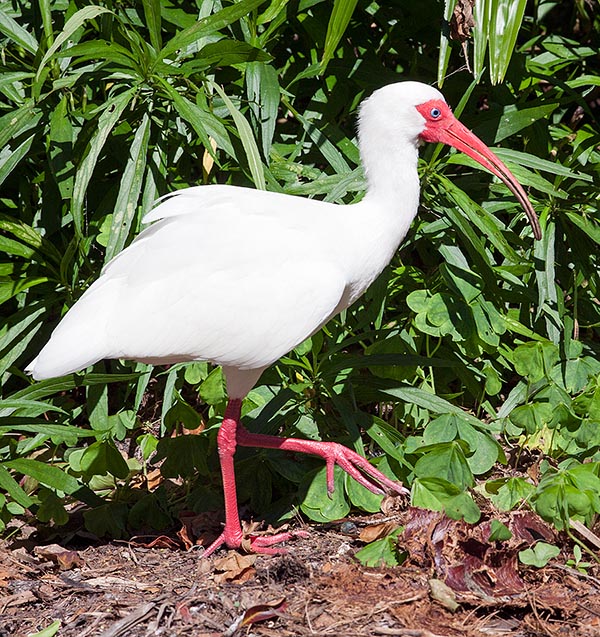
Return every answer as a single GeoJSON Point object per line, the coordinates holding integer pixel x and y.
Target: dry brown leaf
{"type": "Point", "coordinates": [443, 594]}
{"type": "Point", "coordinates": [160, 542]}
{"type": "Point", "coordinates": [462, 21]}
{"type": "Point", "coordinates": [64, 558]}
{"type": "Point", "coordinates": [261, 612]}
{"type": "Point", "coordinates": [377, 531]}
{"type": "Point", "coordinates": [109, 581]}
{"type": "Point", "coordinates": [234, 567]}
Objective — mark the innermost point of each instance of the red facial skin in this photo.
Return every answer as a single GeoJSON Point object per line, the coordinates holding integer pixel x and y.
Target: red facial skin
{"type": "Point", "coordinates": [442, 126]}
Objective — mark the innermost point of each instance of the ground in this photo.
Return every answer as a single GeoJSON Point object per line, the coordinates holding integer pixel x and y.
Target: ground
{"type": "Point", "coordinates": [453, 582]}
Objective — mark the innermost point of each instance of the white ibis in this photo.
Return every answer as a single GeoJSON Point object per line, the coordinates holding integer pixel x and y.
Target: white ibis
{"type": "Point", "coordinates": [240, 277]}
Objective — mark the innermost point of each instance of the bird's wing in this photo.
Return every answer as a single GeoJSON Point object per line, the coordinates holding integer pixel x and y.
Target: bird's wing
{"type": "Point", "coordinates": [239, 281]}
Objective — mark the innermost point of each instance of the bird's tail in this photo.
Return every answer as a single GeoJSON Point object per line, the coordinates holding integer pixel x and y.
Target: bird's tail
{"type": "Point", "coordinates": [80, 339]}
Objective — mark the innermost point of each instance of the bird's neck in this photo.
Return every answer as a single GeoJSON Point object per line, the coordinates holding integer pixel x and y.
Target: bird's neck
{"type": "Point", "coordinates": [383, 217]}
{"type": "Point", "coordinates": [392, 176]}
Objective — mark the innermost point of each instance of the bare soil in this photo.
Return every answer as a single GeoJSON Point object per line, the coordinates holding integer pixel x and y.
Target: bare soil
{"type": "Point", "coordinates": [453, 582]}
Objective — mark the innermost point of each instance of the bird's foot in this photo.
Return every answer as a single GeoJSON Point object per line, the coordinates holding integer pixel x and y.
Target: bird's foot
{"type": "Point", "coordinates": [356, 467]}
{"type": "Point", "coordinates": [252, 541]}
{"type": "Point", "coordinates": [333, 453]}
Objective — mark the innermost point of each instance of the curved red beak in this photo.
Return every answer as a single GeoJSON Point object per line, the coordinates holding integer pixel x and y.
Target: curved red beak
{"type": "Point", "coordinates": [447, 129]}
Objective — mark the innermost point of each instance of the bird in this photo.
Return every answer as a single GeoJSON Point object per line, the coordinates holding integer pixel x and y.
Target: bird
{"type": "Point", "coordinates": [239, 277]}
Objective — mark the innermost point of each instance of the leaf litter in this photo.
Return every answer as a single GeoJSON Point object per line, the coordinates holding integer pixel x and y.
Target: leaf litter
{"type": "Point", "coordinates": [456, 579]}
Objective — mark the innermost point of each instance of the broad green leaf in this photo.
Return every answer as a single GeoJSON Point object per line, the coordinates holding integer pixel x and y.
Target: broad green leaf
{"type": "Point", "coordinates": [381, 553]}
{"type": "Point", "coordinates": [539, 555]}
{"type": "Point", "coordinates": [318, 505]}
{"type": "Point", "coordinates": [183, 456]}
{"type": "Point", "coordinates": [499, 532]}
{"type": "Point", "coordinates": [445, 461]}
{"type": "Point", "coordinates": [508, 493]}
{"type": "Point", "coordinates": [212, 390]}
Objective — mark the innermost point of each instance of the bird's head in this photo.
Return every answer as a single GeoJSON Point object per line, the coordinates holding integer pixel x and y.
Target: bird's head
{"type": "Point", "coordinates": [421, 112]}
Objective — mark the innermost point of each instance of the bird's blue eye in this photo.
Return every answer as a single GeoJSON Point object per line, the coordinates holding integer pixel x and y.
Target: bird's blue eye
{"type": "Point", "coordinates": [435, 113]}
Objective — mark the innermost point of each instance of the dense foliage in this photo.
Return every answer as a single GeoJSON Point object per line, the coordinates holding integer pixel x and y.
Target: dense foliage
{"type": "Point", "coordinates": [477, 346]}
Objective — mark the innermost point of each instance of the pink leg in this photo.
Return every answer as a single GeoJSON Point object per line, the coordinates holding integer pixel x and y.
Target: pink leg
{"type": "Point", "coordinates": [333, 453]}
{"type": "Point", "coordinates": [232, 535]}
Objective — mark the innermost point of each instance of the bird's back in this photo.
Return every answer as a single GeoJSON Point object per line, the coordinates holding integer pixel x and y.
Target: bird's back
{"type": "Point", "coordinates": [231, 275]}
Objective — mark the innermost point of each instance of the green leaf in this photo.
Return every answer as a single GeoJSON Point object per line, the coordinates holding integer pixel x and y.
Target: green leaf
{"type": "Point", "coordinates": [445, 461]}
{"type": "Point", "coordinates": [13, 30]}
{"type": "Point", "coordinates": [152, 13]}
{"type": "Point", "coordinates": [336, 27]}
{"type": "Point", "coordinates": [72, 24]}
{"type": "Point", "coordinates": [207, 26]}
{"type": "Point", "coordinates": [49, 631]}
{"type": "Point", "coordinates": [103, 457]}
{"type": "Point", "coordinates": [10, 486]}
{"type": "Point", "coordinates": [535, 360]}
{"type": "Point", "coordinates": [317, 504]}
{"type": "Point", "coordinates": [440, 495]}
{"type": "Point", "coordinates": [212, 390]}
{"type": "Point", "coordinates": [183, 456]}
{"type": "Point", "coordinates": [516, 119]}
{"type": "Point", "coordinates": [111, 114]}
{"type": "Point", "coordinates": [382, 553]}
{"type": "Point", "coordinates": [539, 555]}
{"type": "Point", "coordinates": [499, 532]}
{"type": "Point", "coordinates": [129, 190]}
{"type": "Point", "coordinates": [506, 18]}
{"type": "Point", "coordinates": [49, 475]}
{"type": "Point", "coordinates": [247, 139]}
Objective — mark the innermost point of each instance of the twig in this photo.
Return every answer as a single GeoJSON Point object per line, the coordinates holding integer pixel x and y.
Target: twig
{"type": "Point", "coordinates": [123, 625]}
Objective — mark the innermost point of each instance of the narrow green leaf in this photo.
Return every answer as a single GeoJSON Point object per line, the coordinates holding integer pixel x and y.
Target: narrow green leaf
{"type": "Point", "coordinates": [13, 30]}
{"type": "Point", "coordinates": [9, 157]}
{"type": "Point", "coordinates": [247, 139]}
{"type": "Point", "coordinates": [129, 190]}
{"type": "Point", "coordinates": [506, 19]}
{"type": "Point", "coordinates": [152, 13]}
{"type": "Point", "coordinates": [516, 119]}
{"type": "Point", "coordinates": [264, 95]}
{"type": "Point", "coordinates": [9, 485]}
{"type": "Point", "coordinates": [336, 27]}
{"type": "Point", "coordinates": [482, 11]}
{"type": "Point", "coordinates": [445, 50]}
{"type": "Point", "coordinates": [17, 122]}
{"type": "Point", "coordinates": [207, 26]}
{"type": "Point", "coordinates": [101, 50]}
{"type": "Point", "coordinates": [545, 275]}
{"type": "Point", "coordinates": [50, 630]}
{"type": "Point", "coordinates": [72, 24]}
{"type": "Point", "coordinates": [106, 122]}
{"type": "Point", "coordinates": [49, 475]}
